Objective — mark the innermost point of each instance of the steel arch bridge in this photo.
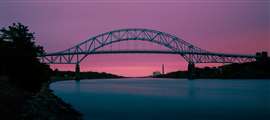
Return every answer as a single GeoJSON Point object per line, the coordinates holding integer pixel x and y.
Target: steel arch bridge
{"type": "Point", "coordinates": [192, 54]}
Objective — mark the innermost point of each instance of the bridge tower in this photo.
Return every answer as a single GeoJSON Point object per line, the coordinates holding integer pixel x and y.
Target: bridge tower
{"type": "Point", "coordinates": [77, 71]}
{"type": "Point", "coordinates": [191, 70]}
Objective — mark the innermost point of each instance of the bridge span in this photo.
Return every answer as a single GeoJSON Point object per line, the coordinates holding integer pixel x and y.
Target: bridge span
{"type": "Point", "coordinates": [192, 54]}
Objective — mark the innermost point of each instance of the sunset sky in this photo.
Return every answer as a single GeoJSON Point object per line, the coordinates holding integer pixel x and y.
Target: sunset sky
{"type": "Point", "coordinates": [228, 26]}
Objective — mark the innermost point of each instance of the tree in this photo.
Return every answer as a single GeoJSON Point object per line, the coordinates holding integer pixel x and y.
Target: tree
{"type": "Point", "coordinates": [18, 38]}
{"type": "Point", "coordinates": [19, 57]}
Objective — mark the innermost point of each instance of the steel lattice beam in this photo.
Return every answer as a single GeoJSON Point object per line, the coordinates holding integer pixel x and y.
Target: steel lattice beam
{"type": "Point", "coordinates": [190, 53]}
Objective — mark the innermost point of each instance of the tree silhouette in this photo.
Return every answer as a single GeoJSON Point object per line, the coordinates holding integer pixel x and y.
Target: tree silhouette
{"type": "Point", "coordinates": [21, 40]}
{"type": "Point", "coordinates": [19, 57]}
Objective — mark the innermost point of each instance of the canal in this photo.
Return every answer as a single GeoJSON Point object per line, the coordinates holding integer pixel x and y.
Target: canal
{"type": "Point", "coordinates": [167, 99]}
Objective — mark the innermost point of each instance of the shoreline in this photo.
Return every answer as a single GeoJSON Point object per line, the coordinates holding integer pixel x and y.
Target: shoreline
{"type": "Point", "coordinates": [19, 104]}
{"type": "Point", "coordinates": [52, 81]}
{"type": "Point", "coordinates": [46, 105]}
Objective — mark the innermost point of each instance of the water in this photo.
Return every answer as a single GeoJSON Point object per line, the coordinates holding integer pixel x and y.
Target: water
{"type": "Point", "coordinates": [167, 99]}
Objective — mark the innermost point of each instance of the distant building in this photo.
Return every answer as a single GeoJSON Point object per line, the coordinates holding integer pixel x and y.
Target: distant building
{"type": "Point", "coordinates": [163, 69]}
{"type": "Point", "coordinates": [156, 73]}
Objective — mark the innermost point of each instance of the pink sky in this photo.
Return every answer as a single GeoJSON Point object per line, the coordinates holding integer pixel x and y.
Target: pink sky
{"type": "Point", "coordinates": [231, 26]}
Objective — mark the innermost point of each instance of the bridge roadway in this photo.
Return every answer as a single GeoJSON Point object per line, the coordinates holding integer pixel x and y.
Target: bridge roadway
{"type": "Point", "coordinates": [191, 66]}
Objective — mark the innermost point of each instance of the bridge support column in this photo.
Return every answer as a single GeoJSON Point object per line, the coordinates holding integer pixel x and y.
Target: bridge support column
{"type": "Point", "coordinates": [191, 71]}
{"type": "Point", "coordinates": [77, 72]}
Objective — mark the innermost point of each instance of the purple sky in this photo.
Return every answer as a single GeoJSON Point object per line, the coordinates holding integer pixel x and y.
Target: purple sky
{"type": "Point", "coordinates": [229, 26]}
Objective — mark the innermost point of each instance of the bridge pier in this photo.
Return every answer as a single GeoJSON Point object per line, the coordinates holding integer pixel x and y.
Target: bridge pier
{"type": "Point", "coordinates": [77, 72]}
{"type": "Point", "coordinates": [191, 70]}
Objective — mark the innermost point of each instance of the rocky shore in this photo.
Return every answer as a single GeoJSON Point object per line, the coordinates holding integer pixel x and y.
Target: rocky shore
{"type": "Point", "coordinates": [17, 104]}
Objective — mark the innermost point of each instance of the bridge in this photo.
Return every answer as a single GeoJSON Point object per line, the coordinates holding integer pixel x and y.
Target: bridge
{"type": "Point", "coordinates": [173, 44]}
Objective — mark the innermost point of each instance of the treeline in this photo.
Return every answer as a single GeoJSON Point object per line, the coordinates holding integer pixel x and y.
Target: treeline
{"type": "Point", "coordinates": [70, 75]}
{"type": "Point", "coordinates": [19, 58]}
{"type": "Point", "coordinates": [251, 70]}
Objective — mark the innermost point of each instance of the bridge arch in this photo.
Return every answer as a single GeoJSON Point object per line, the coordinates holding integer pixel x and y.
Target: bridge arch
{"type": "Point", "coordinates": [91, 45]}
{"type": "Point", "coordinates": [189, 52]}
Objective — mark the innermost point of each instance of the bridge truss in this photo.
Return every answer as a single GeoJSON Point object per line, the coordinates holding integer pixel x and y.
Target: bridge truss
{"type": "Point", "coordinates": [192, 54]}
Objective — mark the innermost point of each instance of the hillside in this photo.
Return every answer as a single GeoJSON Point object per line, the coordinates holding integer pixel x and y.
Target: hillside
{"type": "Point", "coordinates": [64, 75]}
{"type": "Point", "coordinates": [252, 70]}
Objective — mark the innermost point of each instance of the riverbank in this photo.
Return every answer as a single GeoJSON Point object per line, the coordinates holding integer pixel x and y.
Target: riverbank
{"type": "Point", "coordinates": [17, 104]}
{"type": "Point", "coordinates": [250, 70]}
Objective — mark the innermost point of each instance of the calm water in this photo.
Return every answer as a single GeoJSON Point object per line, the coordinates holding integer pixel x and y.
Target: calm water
{"type": "Point", "coordinates": [167, 99]}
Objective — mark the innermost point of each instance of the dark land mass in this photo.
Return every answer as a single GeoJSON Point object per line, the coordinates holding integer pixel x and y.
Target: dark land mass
{"type": "Point", "coordinates": [71, 75]}
{"type": "Point", "coordinates": [251, 70]}
{"type": "Point", "coordinates": [24, 93]}
{"type": "Point", "coordinates": [19, 104]}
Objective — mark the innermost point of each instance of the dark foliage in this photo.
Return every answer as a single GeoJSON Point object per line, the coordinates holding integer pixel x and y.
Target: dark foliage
{"type": "Point", "coordinates": [62, 75]}
{"type": "Point", "coordinates": [177, 74]}
{"type": "Point", "coordinates": [19, 60]}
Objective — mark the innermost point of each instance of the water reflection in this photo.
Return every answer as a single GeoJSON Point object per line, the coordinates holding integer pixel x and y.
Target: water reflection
{"type": "Point", "coordinates": [191, 90]}
{"type": "Point", "coordinates": [77, 86]}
